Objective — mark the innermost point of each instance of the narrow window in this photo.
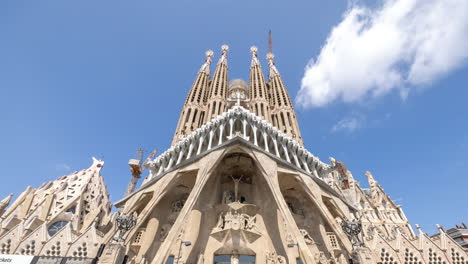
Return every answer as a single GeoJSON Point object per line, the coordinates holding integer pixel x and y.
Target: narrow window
{"type": "Point", "coordinates": [289, 119]}
{"type": "Point", "coordinates": [282, 120]}
{"type": "Point", "coordinates": [194, 115]}
{"type": "Point", "coordinates": [170, 260]}
{"type": "Point", "coordinates": [188, 115]}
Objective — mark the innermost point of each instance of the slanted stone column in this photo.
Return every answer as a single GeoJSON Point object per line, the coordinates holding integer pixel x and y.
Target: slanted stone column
{"type": "Point", "coordinates": [148, 238]}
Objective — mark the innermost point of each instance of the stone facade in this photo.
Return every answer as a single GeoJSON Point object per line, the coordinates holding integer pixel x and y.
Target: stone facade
{"type": "Point", "coordinates": [236, 186]}
{"type": "Point", "coordinates": [65, 217]}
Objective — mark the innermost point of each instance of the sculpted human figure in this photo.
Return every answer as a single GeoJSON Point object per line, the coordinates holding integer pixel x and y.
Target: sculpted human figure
{"type": "Point", "coordinates": [228, 197]}
{"type": "Point", "coordinates": [164, 231]}
{"type": "Point", "coordinates": [236, 187]}
{"type": "Point", "coordinates": [320, 258]}
{"type": "Point", "coordinates": [228, 220]}
{"type": "Point", "coordinates": [244, 221]}
{"type": "Point", "coordinates": [273, 258]}
{"type": "Point", "coordinates": [220, 223]}
{"type": "Point", "coordinates": [235, 258]}
{"type": "Point", "coordinates": [308, 239]}
{"type": "Point", "coordinates": [252, 223]}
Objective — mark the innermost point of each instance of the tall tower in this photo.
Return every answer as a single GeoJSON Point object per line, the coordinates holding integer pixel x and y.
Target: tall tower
{"type": "Point", "coordinates": [193, 112]}
{"type": "Point", "coordinates": [283, 115]}
{"type": "Point", "coordinates": [218, 89]}
{"type": "Point", "coordinates": [258, 88]}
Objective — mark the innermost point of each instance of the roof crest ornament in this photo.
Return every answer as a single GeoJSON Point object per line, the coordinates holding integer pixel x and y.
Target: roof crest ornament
{"type": "Point", "coordinates": [170, 157]}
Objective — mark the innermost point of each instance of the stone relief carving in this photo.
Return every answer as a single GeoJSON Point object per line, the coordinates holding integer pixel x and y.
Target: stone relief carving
{"type": "Point", "coordinates": [236, 221]}
{"type": "Point", "coordinates": [228, 197]}
{"type": "Point", "coordinates": [320, 258]}
{"type": "Point", "coordinates": [294, 206]}
{"type": "Point", "coordinates": [164, 231]}
{"type": "Point", "coordinates": [273, 258]}
{"type": "Point", "coordinates": [179, 204]}
{"type": "Point", "coordinates": [220, 224]}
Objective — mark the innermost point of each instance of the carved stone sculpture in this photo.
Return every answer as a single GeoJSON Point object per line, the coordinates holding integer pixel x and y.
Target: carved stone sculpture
{"type": "Point", "coordinates": [235, 258]}
{"type": "Point", "coordinates": [164, 231]}
{"type": "Point", "coordinates": [251, 222]}
{"type": "Point", "coordinates": [236, 221]}
{"type": "Point", "coordinates": [320, 258]}
{"type": "Point", "coordinates": [352, 229]}
{"type": "Point", "coordinates": [124, 223]}
{"type": "Point", "coordinates": [228, 197]}
{"type": "Point", "coordinates": [220, 223]}
{"type": "Point", "coordinates": [308, 239]}
{"type": "Point", "coordinates": [273, 258]}
{"type": "Point", "coordinates": [178, 205]}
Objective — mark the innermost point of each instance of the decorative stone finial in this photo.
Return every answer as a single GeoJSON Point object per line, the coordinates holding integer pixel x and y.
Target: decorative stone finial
{"type": "Point", "coordinates": [209, 55]}
{"type": "Point", "coordinates": [270, 56]}
{"type": "Point", "coordinates": [224, 48]}
{"type": "Point", "coordinates": [205, 67]}
{"type": "Point", "coordinates": [441, 229]}
{"type": "Point", "coordinates": [5, 202]}
{"type": "Point", "coordinates": [418, 228]}
{"type": "Point", "coordinates": [223, 58]}
{"type": "Point", "coordinates": [369, 176]}
{"type": "Point", "coordinates": [254, 50]}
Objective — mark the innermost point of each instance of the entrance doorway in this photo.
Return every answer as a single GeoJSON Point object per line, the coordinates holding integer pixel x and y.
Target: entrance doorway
{"type": "Point", "coordinates": [234, 259]}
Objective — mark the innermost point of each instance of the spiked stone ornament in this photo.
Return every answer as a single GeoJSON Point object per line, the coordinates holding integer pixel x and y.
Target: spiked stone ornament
{"type": "Point", "coordinates": [352, 229]}
{"type": "Point", "coordinates": [124, 223]}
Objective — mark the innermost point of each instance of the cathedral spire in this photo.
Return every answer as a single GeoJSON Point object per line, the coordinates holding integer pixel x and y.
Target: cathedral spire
{"type": "Point", "coordinates": [193, 112]}
{"type": "Point", "coordinates": [218, 89]}
{"type": "Point", "coordinates": [258, 88]}
{"type": "Point", "coordinates": [282, 112]}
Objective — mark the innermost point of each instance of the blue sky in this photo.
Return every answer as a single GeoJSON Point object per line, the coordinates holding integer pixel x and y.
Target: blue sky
{"type": "Point", "coordinates": [103, 78]}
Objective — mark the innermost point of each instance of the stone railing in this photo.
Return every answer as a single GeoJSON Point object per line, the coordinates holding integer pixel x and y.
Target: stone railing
{"type": "Point", "coordinates": [237, 122]}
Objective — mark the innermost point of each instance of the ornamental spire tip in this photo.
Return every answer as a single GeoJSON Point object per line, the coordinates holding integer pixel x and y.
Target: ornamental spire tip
{"type": "Point", "coordinates": [224, 48]}
{"type": "Point", "coordinates": [253, 49]}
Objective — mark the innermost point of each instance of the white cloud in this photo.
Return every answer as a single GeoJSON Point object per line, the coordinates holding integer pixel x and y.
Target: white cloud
{"type": "Point", "coordinates": [397, 46]}
{"type": "Point", "coordinates": [349, 124]}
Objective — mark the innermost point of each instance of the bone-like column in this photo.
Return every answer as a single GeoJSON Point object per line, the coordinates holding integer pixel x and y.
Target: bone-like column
{"type": "Point", "coordinates": [191, 234]}
{"type": "Point", "coordinates": [148, 238]}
